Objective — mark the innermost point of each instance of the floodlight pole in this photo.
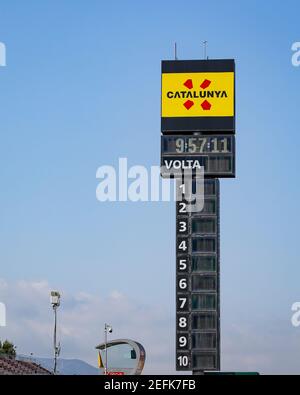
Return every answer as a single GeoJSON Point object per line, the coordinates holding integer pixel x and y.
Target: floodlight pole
{"type": "Point", "coordinates": [55, 302]}
{"type": "Point", "coordinates": [107, 328]}
{"type": "Point", "coordinates": [105, 342]}
{"type": "Point", "coordinates": [54, 339]}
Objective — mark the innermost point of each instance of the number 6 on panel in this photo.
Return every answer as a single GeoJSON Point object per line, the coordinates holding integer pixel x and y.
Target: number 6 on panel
{"type": "Point", "coordinates": [182, 283]}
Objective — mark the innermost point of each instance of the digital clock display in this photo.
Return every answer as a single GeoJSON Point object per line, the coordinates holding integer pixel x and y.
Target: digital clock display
{"type": "Point", "coordinates": [214, 154]}
{"type": "Point", "coordinates": [195, 145]}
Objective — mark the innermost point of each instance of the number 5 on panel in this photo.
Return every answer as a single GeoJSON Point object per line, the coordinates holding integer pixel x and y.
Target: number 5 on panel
{"type": "Point", "coordinates": [182, 264]}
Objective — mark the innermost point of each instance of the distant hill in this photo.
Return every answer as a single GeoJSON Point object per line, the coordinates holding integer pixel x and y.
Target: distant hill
{"type": "Point", "coordinates": [65, 366]}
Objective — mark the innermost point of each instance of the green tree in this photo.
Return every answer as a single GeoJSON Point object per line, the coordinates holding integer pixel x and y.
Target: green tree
{"type": "Point", "coordinates": [7, 348]}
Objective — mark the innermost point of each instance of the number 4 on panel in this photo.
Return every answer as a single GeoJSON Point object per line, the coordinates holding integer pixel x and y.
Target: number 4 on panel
{"type": "Point", "coordinates": [182, 245]}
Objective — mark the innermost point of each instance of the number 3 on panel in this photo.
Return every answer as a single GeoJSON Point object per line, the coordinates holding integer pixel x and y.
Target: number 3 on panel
{"type": "Point", "coordinates": [182, 226]}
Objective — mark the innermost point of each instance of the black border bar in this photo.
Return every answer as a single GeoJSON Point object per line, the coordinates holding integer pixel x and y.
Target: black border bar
{"type": "Point", "coordinates": [203, 124]}
{"type": "Point", "coordinates": [198, 66]}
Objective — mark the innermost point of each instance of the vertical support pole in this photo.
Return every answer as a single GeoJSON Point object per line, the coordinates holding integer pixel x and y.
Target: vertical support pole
{"type": "Point", "coordinates": [54, 340]}
{"type": "Point", "coordinates": [105, 341]}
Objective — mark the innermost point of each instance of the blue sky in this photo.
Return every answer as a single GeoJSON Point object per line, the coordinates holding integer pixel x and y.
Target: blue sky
{"type": "Point", "coordinates": [81, 89]}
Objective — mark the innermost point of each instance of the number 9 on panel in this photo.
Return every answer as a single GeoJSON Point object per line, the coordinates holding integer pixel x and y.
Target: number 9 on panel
{"type": "Point", "coordinates": [182, 341]}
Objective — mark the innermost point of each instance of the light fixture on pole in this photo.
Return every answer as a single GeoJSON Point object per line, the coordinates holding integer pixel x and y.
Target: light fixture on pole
{"type": "Point", "coordinates": [55, 302]}
{"type": "Point", "coordinates": [107, 329]}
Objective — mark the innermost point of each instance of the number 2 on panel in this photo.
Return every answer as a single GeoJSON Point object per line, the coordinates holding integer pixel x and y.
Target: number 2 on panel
{"type": "Point", "coordinates": [182, 207]}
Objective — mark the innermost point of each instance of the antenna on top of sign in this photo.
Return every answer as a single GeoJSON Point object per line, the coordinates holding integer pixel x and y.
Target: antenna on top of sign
{"type": "Point", "coordinates": [175, 51]}
{"type": "Point", "coordinates": [205, 50]}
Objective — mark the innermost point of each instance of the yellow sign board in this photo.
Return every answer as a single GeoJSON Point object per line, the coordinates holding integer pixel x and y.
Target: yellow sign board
{"type": "Point", "coordinates": [197, 94]}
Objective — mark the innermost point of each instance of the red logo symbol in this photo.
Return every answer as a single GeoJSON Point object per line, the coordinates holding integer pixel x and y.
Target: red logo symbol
{"type": "Point", "coordinates": [206, 105]}
{"type": "Point", "coordinates": [188, 104]}
{"type": "Point", "coordinates": [188, 84]}
{"type": "Point", "coordinates": [205, 84]}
